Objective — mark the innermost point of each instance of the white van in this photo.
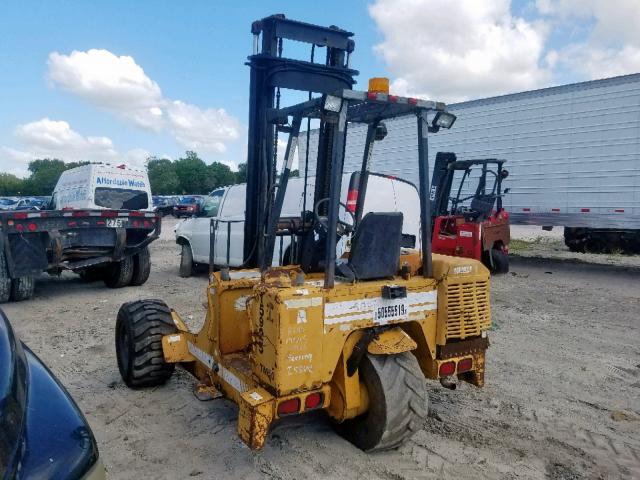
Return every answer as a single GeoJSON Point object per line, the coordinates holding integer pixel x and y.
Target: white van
{"type": "Point", "coordinates": [102, 186]}
{"type": "Point", "coordinates": [384, 194]}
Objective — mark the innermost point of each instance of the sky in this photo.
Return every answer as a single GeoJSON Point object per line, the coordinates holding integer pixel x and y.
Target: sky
{"type": "Point", "coordinates": [120, 81]}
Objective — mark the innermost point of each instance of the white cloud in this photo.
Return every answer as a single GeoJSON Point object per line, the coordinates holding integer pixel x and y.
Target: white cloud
{"type": "Point", "coordinates": [137, 157]}
{"type": "Point", "coordinates": [55, 138]}
{"type": "Point", "coordinates": [201, 130]}
{"type": "Point", "coordinates": [46, 138]}
{"type": "Point", "coordinates": [120, 85]}
{"type": "Point", "coordinates": [451, 50]}
{"type": "Point", "coordinates": [611, 47]}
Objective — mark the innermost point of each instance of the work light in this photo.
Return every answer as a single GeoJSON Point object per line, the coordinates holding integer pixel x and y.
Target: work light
{"type": "Point", "coordinates": [443, 120]}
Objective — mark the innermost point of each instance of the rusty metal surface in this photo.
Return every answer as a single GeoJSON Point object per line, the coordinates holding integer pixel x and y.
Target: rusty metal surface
{"type": "Point", "coordinates": [466, 347]}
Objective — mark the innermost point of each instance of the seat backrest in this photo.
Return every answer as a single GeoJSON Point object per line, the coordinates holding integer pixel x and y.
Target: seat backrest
{"type": "Point", "coordinates": [375, 247]}
{"type": "Point", "coordinates": [481, 205]}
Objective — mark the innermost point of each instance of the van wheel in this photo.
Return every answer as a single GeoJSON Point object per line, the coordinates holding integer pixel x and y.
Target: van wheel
{"type": "Point", "coordinates": [5, 280]}
{"type": "Point", "coordinates": [119, 274]}
{"type": "Point", "coordinates": [140, 327]}
{"type": "Point", "coordinates": [141, 267]}
{"type": "Point", "coordinates": [186, 261]}
{"type": "Point", "coordinates": [398, 401]}
{"type": "Point", "coordinates": [22, 288]}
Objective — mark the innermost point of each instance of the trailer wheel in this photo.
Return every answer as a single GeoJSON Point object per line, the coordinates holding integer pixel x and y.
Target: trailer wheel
{"type": "Point", "coordinates": [22, 288]}
{"type": "Point", "coordinates": [398, 401]}
{"type": "Point", "coordinates": [119, 274]}
{"type": "Point", "coordinates": [5, 280]}
{"type": "Point", "coordinates": [186, 261]}
{"type": "Point", "coordinates": [141, 267]}
{"type": "Point", "coordinates": [140, 327]}
{"type": "Point", "coordinates": [93, 274]}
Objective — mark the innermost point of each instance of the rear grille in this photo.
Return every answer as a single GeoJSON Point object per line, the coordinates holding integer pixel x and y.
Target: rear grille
{"type": "Point", "coordinates": [468, 311]}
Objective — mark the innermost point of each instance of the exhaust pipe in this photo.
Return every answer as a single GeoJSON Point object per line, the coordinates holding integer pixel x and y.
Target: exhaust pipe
{"type": "Point", "coordinates": [448, 382]}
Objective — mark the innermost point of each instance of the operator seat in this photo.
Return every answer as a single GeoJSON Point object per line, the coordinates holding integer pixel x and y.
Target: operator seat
{"type": "Point", "coordinates": [375, 248]}
{"type": "Point", "coordinates": [481, 207]}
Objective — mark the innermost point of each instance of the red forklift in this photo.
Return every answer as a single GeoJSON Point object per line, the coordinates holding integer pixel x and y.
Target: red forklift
{"type": "Point", "coordinates": [472, 223]}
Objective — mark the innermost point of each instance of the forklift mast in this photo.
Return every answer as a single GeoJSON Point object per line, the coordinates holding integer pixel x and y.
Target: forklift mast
{"type": "Point", "coordinates": [271, 71]}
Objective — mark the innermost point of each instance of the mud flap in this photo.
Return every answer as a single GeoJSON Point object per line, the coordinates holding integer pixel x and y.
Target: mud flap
{"type": "Point", "coordinates": [256, 414]}
{"type": "Point", "coordinates": [475, 376]}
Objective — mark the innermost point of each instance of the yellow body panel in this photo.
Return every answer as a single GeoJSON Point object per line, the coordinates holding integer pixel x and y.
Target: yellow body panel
{"type": "Point", "coordinates": [281, 338]}
{"type": "Point", "coordinates": [391, 342]}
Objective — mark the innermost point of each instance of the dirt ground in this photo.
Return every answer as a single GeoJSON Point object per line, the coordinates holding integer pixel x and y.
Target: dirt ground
{"type": "Point", "coordinates": [562, 398]}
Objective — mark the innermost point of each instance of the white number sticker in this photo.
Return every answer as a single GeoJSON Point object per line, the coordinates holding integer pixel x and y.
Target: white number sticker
{"type": "Point", "coordinates": [391, 310]}
{"type": "Point", "coordinates": [116, 222]}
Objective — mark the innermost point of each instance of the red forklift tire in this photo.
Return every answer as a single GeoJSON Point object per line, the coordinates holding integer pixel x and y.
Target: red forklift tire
{"type": "Point", "coordinates": [186, 261]}
{"type": "Point", "coordinates": [22, 288]}
{"type": "Point", "coordinates": [5, 280]}
{"type": "Point", "coordinates": [119, 274]}
{"type": "Point", "coordinates": [141, 267]}
{"type": "Point", "coordinates": [500, 261]}
{"type": "Point", "coordinates": [398, 403]}
{"type": "Point", "coordinates": [140, 326]}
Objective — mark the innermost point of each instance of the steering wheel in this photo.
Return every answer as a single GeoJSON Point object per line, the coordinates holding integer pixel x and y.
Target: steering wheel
{"type": "Point", "coordinates": [342, 227]}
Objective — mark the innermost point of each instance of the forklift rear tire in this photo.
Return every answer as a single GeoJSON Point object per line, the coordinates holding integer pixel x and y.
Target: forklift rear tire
{"type": "Point", "coordinates": [5, 280]}
{"type": "Point", "coordinates": [186, 261]}
{"type": "Point", "coordinates": [398, 403]}
{"type": "Point", "coordinates": [119, 274]}
{"type": "Point", "coordinates": [141, 267]}
{"type": "Point", "coordinates": [22, 288]}
{"type": "Point", "coordinates": [140, 327]}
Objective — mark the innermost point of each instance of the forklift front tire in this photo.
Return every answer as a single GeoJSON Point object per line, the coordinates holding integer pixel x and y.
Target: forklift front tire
{"type": "Point", "coordinates": [398, 403]}
{"type": "Point", "coordinates": [140, 327]}
{"type": "Point", "coordinates": [500, 261]}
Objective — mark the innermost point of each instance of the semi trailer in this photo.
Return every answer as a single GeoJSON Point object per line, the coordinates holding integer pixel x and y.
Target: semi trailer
{"type": "Point", "coordinates": [573, 152]}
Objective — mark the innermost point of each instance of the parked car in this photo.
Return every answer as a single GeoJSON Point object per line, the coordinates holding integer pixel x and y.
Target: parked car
{"type": "Point", "coordinates": [189, 206]}
{"type": "Point", "coordinates": [227, 204]}
{"type": "Point", "coordinates": [30, 204]}
{"type": "Point", "coordinates": [7, 203]}
{"type": "Point", "coordinates": [43, 433]}
{"type": "Point", "coordinates": [164, 205]}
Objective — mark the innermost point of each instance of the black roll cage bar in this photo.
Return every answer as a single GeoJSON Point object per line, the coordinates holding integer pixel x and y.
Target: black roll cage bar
{"type": "Point", "coordinates": [356, 107]}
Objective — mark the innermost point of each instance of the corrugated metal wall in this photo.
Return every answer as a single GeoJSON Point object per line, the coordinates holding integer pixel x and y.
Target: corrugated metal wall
{"type": "Point", "coordinates": [568, 148]}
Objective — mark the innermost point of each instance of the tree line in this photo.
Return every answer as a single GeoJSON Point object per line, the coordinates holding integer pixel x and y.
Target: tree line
{"type": "Point", "coordinates": [187, 175]}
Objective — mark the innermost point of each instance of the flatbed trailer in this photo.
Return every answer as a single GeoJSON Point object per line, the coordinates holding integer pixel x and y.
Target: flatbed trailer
{"type": "Point", "coordinates": [109, 245]}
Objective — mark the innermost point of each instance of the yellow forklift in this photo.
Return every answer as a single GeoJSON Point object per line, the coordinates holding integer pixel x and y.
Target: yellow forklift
{"type": "Point", "coordinates": [355, 334]}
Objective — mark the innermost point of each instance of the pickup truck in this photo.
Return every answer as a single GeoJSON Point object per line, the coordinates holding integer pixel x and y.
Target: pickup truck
{"type": "Point", "coordinates": [82, 234]}
{"type": "Point", "coordinates": [225, 206]}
